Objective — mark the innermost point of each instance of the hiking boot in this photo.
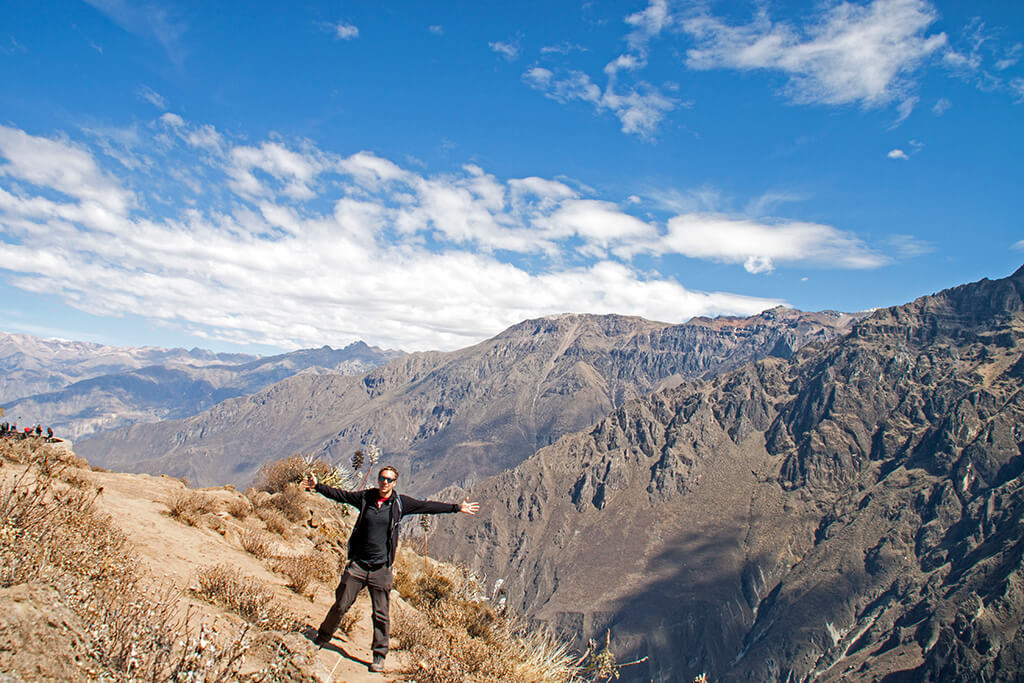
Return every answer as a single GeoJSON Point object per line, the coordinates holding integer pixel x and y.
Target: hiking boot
{"type": "Point", "coordinates": [378, 664]}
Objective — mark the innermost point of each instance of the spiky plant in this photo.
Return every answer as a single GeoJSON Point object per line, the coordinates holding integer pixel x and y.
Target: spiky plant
{"type": "Point", "coordinates": [372, 458]}
{"type": "Point", "coordinates": [338, 476]}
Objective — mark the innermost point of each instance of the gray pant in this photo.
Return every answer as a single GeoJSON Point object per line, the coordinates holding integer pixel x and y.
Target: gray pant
{"type": "Point", "coordinates": [378, 582]}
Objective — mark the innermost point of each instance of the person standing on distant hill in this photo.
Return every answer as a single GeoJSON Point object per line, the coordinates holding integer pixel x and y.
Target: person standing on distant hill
{"type": "Point", "coordinates": [371, 551]}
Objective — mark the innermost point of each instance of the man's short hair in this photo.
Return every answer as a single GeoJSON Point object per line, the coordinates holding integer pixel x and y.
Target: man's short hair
{"type": "Point", "coordinates": [388, 468]}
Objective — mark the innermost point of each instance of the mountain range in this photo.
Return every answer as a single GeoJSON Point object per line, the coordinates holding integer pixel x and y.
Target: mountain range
{"type": "Point", "coordinates": [851, 512]}
{"type": "Point", "coordinates": [449, 418]}
{"type": "Point", "coordinates": [80, 389]}
{"type": "Point", "coordinates": [786, 497]}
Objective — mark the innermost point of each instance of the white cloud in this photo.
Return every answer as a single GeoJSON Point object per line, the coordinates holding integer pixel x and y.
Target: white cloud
{"type": "Point", "coordinates": [436, 29]}
{"type": "Point", "coordinates": [509, 49]}
{"type": "Point", "coordinates": [152, 96]}
{"type": "Point", "coordinates": [280, 243]}
{"type": "Point", "coordinates": [1018, 245]}
{"type": "Point", "coordinates": [640, 110]}
{"type": "Point", "coordinates": [343, 31]}
{"type": "Point", "coordinates": [941, 106]}
{"type": "Point", "coordinates": [1010, 57]}
{"type": "Point", "coordinates": [898, 154]}
{"type": "Point", "coordinates": [172, 120]}
{"type": "Point", "coordinates": [148, 20]}
{"type": "Point", "coordinates": [1017, 88]}
{"type": "Point", "coordinates": [563, 48]}
{"type": "Point", "coordinates": [295, 170]}
{"type": "Point", "coordinates": [648, 24]}
{"type": "Point", "coordinates": [851, 53]}
{"type": "Point", "coordinates": [640, 107]}
{"type": "Point", "coordinates": [760, 246]}
{"type": "Point", "coordinates": [905, 109]}
{"type": "Point", "coordinates": [600, 224]}
{"type": "Point", "coordinates": [62, 166]}
{"type": "Point", "coordinates": [908, 246]}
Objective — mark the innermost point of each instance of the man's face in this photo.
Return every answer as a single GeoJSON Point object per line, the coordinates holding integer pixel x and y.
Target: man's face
{"type": "Point", "coordinates": [386, 481]}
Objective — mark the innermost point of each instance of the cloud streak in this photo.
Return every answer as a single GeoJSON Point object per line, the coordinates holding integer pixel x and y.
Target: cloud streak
{"type": "Point", "coordinates": [289, 245]}
{"type": "Point", "coordinates": [851, 54]}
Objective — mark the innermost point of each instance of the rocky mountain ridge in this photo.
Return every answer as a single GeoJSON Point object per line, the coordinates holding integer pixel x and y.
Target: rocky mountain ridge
{"type": "Point", "coordinates": [851, 513]}
{"type": "Point", "coordinates": [457, 416]}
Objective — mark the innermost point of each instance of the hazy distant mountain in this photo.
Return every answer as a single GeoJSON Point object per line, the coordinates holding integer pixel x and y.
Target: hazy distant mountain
{"type": "Point", "coordinates": [30, 365]}
{"type": "Point", "coordinates": [454, 417]}
{"type": "Point", "coordinates": [173, 389]}
{"type": "Point", "coordinates": [852, 513]}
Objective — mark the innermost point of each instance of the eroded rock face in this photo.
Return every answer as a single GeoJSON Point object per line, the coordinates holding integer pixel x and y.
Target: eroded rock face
{"type": "Point", "coordinates": [849, 513]}
{"type": "Point", "coordinates": [453, 418]}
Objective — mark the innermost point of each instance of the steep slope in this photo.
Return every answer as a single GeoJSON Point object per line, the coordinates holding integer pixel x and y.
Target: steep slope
{"type": "Point", "coordinates": [455, 417]}
{"type": "Point", "coordinates": [178, 390]}
{"type": "Point", "coordinates": [852, 513]}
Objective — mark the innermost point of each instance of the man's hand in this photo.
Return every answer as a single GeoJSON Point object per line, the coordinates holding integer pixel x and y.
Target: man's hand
{"type": "Point", "coordinates": [309, 482]}
{"type": "Point", "coordinates": [469, 508]}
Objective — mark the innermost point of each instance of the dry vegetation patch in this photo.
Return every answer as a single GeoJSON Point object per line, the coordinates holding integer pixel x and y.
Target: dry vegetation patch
{"type": "Point", "coordinates": [455, 635]}
{"type": "Point", "coordinates": [303, 570]}
{"type": "Point", "coordinates": [250, 599]}
{"type": "Point", "coordinates": [190, 506]}
{"type": "Point", "coordinates": [52, 536]}
{"type": "Point", "coordinates": [257, 543]}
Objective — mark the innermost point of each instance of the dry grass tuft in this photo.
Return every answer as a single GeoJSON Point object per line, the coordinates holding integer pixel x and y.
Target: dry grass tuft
{"type": "Point", "coordinates": [292, 503]}
{"type": "Point", "coordinates": [275, 520]}
{"type": "Point", "coordinates": [257, 543]}
{"type": "Point", "coordinates": [226, 586]}
{"type": "Point", "coordinates": [429, 590]}
{"type": "Point", "coordinates": [189, 507]}
{"type": "Point", "coordinates": [275, 476]}
{"type": "Point", "coordinates": [239, 508]}
{"type": "Point", "coordinates": [303, 570]}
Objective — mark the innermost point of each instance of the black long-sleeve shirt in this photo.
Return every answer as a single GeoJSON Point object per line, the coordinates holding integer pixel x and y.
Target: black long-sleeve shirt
{"type": "Point", "coordinates": [374, 538]}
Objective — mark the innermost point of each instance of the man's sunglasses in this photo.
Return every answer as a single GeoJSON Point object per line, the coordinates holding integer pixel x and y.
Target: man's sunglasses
{"type": "Point", "coordinates": [389, 480]}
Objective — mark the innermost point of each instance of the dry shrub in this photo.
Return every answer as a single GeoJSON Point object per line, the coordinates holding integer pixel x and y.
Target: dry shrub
{"type": "Point", "coordinates": [299, 573]}
{"type": "Point", "coordinates": [239, 508]}
{"type": "Point", "coordinates": [189, 506]}
{"type": "Point", "coordinates": [226, 586]}
{"type": "Point", "coordinates": [257, 543]}
{"type": "Point", "coordinates": [429, 590]}
{"type": "Point", "coordinates": [52, 535]}
{"type": "Point", "coordinates": [257, 498]}
{"type": "Point", "coordinates": [275, 476]}
{"type": "Point", "coordinates": [303, 570]}
{"type": "Point", "coordinates": [292, 503]}
{"type": "Point", "coordinates": [275, 520]}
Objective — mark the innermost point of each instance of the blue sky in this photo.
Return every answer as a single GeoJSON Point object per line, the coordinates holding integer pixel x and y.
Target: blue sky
{"type": "Point", "coordinates": [264, 176]}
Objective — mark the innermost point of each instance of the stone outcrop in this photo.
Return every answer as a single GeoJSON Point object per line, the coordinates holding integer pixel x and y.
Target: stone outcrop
{"type": "Point", "coordinates": [851, 512]}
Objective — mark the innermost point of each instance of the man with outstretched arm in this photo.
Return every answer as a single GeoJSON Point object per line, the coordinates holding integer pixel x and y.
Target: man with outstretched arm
{"type": "Point", "coordinates": [371, 551]}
